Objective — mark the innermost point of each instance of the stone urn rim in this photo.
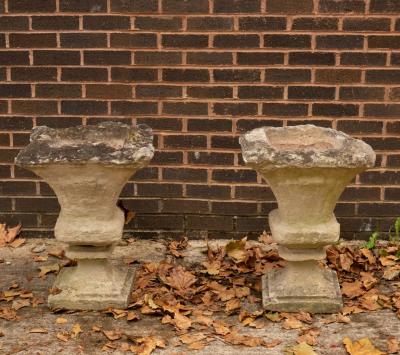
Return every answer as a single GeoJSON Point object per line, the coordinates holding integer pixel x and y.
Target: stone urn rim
{"type": "Point", "coordinates": [303, 147]}
{"type": "Point", "coordinates": [107, 143]}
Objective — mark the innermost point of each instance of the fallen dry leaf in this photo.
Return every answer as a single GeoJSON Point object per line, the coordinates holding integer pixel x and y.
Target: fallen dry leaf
{"type": "Point", "coordinates": [352, 289]}
{"type": "Point", "coordinates": [181, 280]}
{"type": "Point", "coordinates": [341, 318]}
{"type": "Point", "coordinates": [63, 336]}
{"type": "Point", "coordinates": [265, 238]}
{"type": "Point", "coordinates": [346, 261]}
{"type": "Point", "coordinates": [237, 339]}
{"type": "Point", "coordinates": [241, 292]}
{"type": "Point", "coordinates": [192, 338]}
{"type": "Point", "coordinates": [38, 330]}
{"type": "Point", "coordinates": [76, 329]}
{"type": "Point", "coordinates": [370, 300]}
{"type": "Point", "coordinates": [393, 346]}
{"type": "Point", "coordinates": [202, 319]}
{"type": "Point", "coordinates": [258, 323]}
{"type": "Point", "coordinates": [20, 303]}
{"type": "Point", "coordinates": [369, 255]}
{"type": "Point", "coordinates": [232, 305]}
{"type": "Point", "coordinates": [292, 323]}
{"type": "Point", "coordinates": [221, 328]}
{"type": "Point", "coordinates": [197, 345]}
{"type": "Point", "coordinates": [181, 321]}
{"type": "Point", "coordinates": [236, 249]}
{"type": "Point", "coordinates": [46, 269]}
{"type": "Point", "coordinates": [112, 334]}
{"type": "Point", "coordinates": [303, 349]}
{"type": "Point", "coordinates": [8, 235]}
{"type": "Point", "coordinates": [147, 344]}
{"type": "Point", "coordinates": [16, 243]}
{"type": "Point", "coordinates": [61, 320]}
{"type": "Point", "coordinates": [388, 260]}
{"type": "Point", "coordinates": [7, 313]}
{"type": "Point", "coordinates": [132, 316]}
{"type": "Point", "coordinates": [57, 252]}
{"type": "Point", "coordinates": [368, 280]}
{"type": "Point", "coordinates": [176, 247]}
{"type": "Point", "coordinates": [361, 347]}
{"type": "Point", "coordinates": [273, 343]}
{"type": "Point", "coordinates": [213, 267]}
{"type": "Point", "coordinates": [273, 316]}
{"type": "Point", "coordinates": [11, 293]}
{"type": "Point", "coordinates": [391, 273]}
{"type": "Point", "coordinates": [96, 328]}
{"type": "Point", "coordinates": [351, 309]}
{"type": "Point", "coordinates": [309, 336]}
{"type": "Point", "coordinates": [26, 294]}
{"type": "Point", "coordinates": [130, 215]}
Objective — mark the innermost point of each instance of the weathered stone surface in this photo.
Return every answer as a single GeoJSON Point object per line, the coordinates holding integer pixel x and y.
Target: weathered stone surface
{"type": "Point", "coordinates": [304, 146]}
{"type": "Point", "coordinates": [307, 168]}
{"type": "Point", "coordinates": [105, 143]}
{"type": "Point", "coordinates": [93, 284]}
{"type": "Point", "coordinates": [87, 167]}
{"type": "Point", "coordinates": [376, 325]}
{"type": "Point", "coordinates": [302, 286]}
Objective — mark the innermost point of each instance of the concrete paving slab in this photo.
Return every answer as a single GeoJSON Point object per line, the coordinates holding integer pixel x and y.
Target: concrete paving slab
{"type": "Point", "coordinates": [18, 266]}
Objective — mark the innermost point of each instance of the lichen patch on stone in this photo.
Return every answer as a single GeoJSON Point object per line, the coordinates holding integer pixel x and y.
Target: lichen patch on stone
{"type": "Point", "coordinates": [105, 143]}
{"type": "Point", "coordinates": [304, 146]}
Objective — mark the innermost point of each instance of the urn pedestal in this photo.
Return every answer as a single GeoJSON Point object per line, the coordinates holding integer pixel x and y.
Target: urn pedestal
{"type": "Point", "coordinates": [87, 167]}
{"type": "Point", "coordinates": [307, 168]}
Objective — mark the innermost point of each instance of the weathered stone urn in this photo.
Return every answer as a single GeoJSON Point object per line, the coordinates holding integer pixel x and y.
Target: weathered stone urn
{"type": "Point", "coordinates": [87, 167]}
{"type": "Point", "coordinates": [307, 168]}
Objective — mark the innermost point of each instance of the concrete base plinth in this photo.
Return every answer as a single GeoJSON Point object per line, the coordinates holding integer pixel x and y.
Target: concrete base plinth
{"type": "Point", "coordinates": [92, 285]}
{"type": "Point", "coordinates": [301, 286]}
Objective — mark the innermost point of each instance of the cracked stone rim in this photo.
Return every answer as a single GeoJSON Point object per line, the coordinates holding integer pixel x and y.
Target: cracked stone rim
{"type": "Point", "coordinates": [304, 146]}
{"type": "Point", "coordinates": [109, 143]}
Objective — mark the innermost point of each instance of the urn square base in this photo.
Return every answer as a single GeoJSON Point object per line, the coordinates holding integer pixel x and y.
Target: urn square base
{"type": "Point", "coordinates": [283, 293]}
{"type": "Point", "coordinates": [94, 292]}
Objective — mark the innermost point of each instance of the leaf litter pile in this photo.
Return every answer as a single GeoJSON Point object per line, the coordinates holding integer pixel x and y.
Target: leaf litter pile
{"type": "Point", "coordinates": [219, 299]}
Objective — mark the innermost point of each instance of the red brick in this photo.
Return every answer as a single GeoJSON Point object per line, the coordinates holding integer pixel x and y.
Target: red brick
{"type": "Point", "coordinates": [287, 41]}
{"type": "Point", "coordinates": [14, 23]}
{"type": "Point", "coordinates": [315, 24]}
{"type": "Point", "coordinates": [209, 23]}
{"type": "Point", "coordinates": [130, 107]}
{"type": "Point", "coordinates": [184, 41]}
{"type": "Point", "coordinates": [55, 22]}
{"type": "Point", "coordinates": [106, 22]}
{"type": "Point", "coordinates": [219, 223]}
{"type": "Point", "coordinates": [83, 5]}
{"type": "Point", "coordinates": [133, 40]}
{"type": "Point", "coordinates": [157, 91]}
{"type": "Point", "coordinates": [200, 73]}
{"type": "Point", "coordinates": [184, 7]}
{"type": "Point", "coordinates": [21, 6]}
{"type": "Point", "coordinates": [290, 6]}
{"type": "Point", "coordinates": [83, 40]}
{"type": "Point", "coordinates": [159, 23]}
{"type": "Point", "coordinates": [236, 41]}
{"type": "Point", "coordinates": [33, 40]}
{"type": "Point", "coordinates": [36, 107]}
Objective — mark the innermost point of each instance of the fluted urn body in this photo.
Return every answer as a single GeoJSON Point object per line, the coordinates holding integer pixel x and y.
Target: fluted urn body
{"type": "Point", "coordinates": [307, 168]}
{"type": "Point", "coordinates": [87, 167]}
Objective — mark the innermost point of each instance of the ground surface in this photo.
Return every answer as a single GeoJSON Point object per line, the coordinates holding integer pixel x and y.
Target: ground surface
{"type": "Point", "coordinates": [19, 269]}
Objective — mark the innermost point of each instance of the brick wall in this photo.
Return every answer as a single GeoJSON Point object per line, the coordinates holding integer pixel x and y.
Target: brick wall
{"type": "Point", "coordinates": [200, 72]}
